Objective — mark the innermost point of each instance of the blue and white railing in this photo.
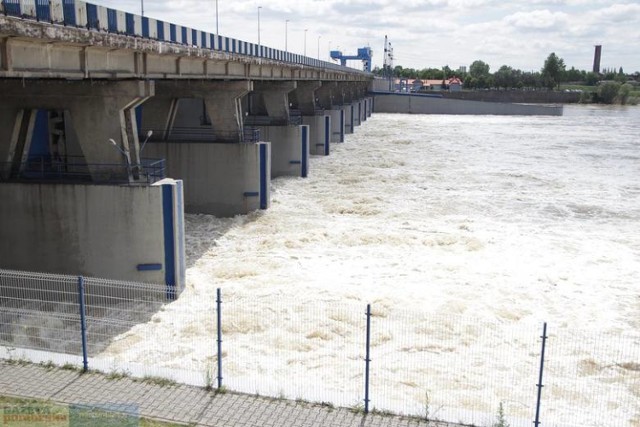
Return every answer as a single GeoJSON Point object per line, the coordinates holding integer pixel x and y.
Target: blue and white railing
{"type": "Point", "coordinates": [77, 13]}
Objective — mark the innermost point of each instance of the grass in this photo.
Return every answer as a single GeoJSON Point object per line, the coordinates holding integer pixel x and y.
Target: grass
{"type": "Point", "coordinates": [42, 407]}
{"type": "Point", "coordinates": [159, 381]}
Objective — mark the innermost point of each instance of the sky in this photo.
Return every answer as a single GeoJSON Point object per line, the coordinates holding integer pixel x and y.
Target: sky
{"type": "Point", "coordinates": [423, 33]}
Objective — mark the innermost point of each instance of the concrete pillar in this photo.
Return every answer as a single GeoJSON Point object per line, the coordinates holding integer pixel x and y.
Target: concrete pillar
{"type": "Point", "coordinates": [219, 179]}
{"type": "Point", "coordinates": [327, 95]}
{"type": "Point", "coordinates": [98, 111]}
{"type": "Point", "coordinates": [133, 233]}
{"type": "Point", "coordinates": [274, 97]}
{"type": "Point", "coordinates": [304, 97]}
{"type": "Point", "coordinates": [289, 149]}
{"type": "Point", "coordinates": [222, 99]}
{"type": "Point", "coordinates": [365, 105]}
{"type": "Point", "coordinates": [319, 133]}
{"type": "Point", "coordinates": [338, 124]}
{"type": "Point", "coordinates": [350, 112]}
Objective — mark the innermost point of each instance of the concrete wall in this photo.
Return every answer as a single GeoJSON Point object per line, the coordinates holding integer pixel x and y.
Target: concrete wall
{"type": "Point", "coordinates": [357, 112]}
{"type": "Point", "coordinates": [521, 96]}
{"type": "Point", "coordinates": [382, 85]}
{"type": "Point", "coordinates": [349, 118]}
{"type": "Point", "coordinates": [115, 232]}
{"type": "Point", "coordinates": [219, 179]}
{"type": "Point", "coordinates": [319, 133]}
{"type": "Point", "coordinates": [289, 149]}
{"type": "Point", "coordinates": [417, 104]}
{"type": "Point", "coordinates": [337, 124]}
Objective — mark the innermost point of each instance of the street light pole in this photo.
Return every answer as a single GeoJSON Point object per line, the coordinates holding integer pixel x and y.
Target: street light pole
{"type": "Point", "coordinates": [286, 31]}
{"type": "Point", "coordinates": [217, 31]}
{"type": "Point", "coordinates": [319, 47]}
{"type": "Point", "coordinates": [142, 7]}
{"type": "Point", "coordinates": [259, 45]}
{"type": "Point", "coordinates": [305, 41]}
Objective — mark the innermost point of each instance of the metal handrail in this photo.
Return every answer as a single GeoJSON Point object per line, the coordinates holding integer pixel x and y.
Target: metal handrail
{"type": "Point", "coordinates": [75, 170]}
{"type": "Point", "coordinates": [200, 134]}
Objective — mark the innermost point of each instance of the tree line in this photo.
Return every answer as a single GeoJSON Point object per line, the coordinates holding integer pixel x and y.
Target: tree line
{"type": "Point", "coordinates": [551, 75]}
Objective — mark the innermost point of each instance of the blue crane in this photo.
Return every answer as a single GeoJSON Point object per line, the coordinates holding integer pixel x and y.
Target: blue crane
{"type": "Point", "coordinates": [364, 54]}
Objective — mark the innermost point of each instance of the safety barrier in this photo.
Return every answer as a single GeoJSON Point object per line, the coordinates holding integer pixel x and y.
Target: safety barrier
{"type": "Point", "coordinates": [373, 357]}
{"type": "Point", "coordinates": [77, 13]}
{"type": "Point", "coordinates": [76, 170]}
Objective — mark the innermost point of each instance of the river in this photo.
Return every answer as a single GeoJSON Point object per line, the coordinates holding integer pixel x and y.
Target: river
{"type": "Point", "coordinates": [465, 234]}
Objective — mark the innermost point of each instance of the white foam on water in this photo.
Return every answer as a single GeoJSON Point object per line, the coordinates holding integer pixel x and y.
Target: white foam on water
{"type": "Point", "coordinates": [464, 233]}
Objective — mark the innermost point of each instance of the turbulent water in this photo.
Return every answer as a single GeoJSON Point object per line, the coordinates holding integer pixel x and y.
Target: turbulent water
{"type": "Point", "coordinates": [465, 233]}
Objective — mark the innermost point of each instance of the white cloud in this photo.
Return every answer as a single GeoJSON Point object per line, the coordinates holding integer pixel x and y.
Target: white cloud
{"type": "Point", "coordinates": [538, 20]}
{"type": "Point", "coordinates": [426, 33]}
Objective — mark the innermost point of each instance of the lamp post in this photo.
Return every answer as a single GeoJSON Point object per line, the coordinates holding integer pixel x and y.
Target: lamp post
{"type": "Point", "coordinates": [319, 37]}
{"type": "Point", "coordinates": [305, 41]}
{"type": "Point", "coordinates": [286, 31]}
{"type": "Point", "coordinates": [217, 32]}
{"type": "Point", "coordinates": [259, 45]}
{"type": "Point", "coordinates": [142, 7]}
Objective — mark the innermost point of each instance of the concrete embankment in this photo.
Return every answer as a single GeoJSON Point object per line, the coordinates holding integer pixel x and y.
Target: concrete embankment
{"type": "Point", "coordinates": [515, 96]}
{"type": "Point", "coordinates": [429, 104]}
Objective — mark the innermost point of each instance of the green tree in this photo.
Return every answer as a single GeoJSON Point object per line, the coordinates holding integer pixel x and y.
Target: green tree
{"type": "Point", "coordinates": [623, 93]}
{"type": "Point", "coordinates": [504, 77]}
{"type": "Point", "coordinates": [607, 92]}
{"type": "Point", "coordinates": [478, 69]}
{"type": "Point", "coordinates": [553, 70]}
{"type": "Point", "coordinates": [592, 78]}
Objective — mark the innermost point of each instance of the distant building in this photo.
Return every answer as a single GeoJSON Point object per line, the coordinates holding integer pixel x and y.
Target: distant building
{"type": "Point", "coordinates": [455, 84]}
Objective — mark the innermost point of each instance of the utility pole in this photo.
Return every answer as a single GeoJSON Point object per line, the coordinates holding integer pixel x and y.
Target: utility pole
{"type": "Point", "coordinates": [305, 41]}
{"type": "Point", "coordinates": [286, 32]}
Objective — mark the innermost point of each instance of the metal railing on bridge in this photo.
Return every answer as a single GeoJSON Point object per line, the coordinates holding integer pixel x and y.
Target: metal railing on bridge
{"type": "Point", "coordinates": [76, 170]}
{"type": "Point", "coordinates": [81, 14]}
{"type": "Point", "coordinates": [201, 134]}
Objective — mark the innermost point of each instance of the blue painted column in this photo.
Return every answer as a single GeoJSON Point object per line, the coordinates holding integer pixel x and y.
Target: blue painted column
{"type": "Point", "coordinates": [174, 244]}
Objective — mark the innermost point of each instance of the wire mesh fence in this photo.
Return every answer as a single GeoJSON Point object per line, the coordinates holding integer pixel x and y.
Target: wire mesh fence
{"type": "Point", "coordinates": [435, 367]}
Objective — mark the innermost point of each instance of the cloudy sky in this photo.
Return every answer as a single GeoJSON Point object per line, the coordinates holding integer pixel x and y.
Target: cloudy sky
{"type": "Point", "coordinates": [425, 33]}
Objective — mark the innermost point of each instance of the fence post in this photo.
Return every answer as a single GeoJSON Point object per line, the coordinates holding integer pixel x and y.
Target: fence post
{"type": "Point", "coordinates": [83, 323]}
{"type": "Point", "coordinates": [367, 360]}
{"type": "Point", "coordinates": [539, 385]}
{"type": "Point", "coordinates": [219, 312]}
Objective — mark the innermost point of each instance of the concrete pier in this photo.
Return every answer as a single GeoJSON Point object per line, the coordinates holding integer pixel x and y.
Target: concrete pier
{"type": "Point", "coordinates": [319, 133]}
{"type": "Point", "coordinates": [123, 232]}
{"type": "Point", "coordinates": [349, 118]}
{"type": "Point", "coordinates": [219, 179]}
{"type": "Point", "coordinates": [338, 124]}
{"type": "Point", "coordinates": [289, 149]}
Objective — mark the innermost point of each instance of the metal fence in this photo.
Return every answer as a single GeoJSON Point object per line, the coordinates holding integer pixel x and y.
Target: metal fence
{"type": "Point", "coordinates": [76, 170]}
{"type": "Point", "coordinates": [372, 357]}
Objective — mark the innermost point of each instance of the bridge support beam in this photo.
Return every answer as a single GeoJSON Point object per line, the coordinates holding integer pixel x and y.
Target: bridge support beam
{"type": "Point", "coordinates": [272, 99]}
{"type": "Point", "coordinates": [221, 115]}
{"type": "Point", "coordinates": [327, 95]}
{"type": "Point", "coordinates": [305, 99]}
{"type": "Point", "coordinates": [133, 233]}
